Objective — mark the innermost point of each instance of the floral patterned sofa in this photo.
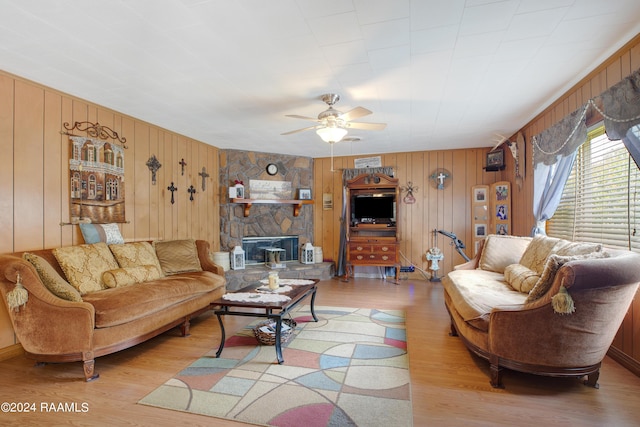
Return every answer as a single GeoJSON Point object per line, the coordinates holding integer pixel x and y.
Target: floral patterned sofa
{"type": "Point", "coordinates": [80, 302]}
{"type": "Point", "coordinates": [543, 306]}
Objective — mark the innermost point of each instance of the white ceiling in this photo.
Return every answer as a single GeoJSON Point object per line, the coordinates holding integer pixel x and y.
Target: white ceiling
{"type": "Point", "coordinates": [441, 73]}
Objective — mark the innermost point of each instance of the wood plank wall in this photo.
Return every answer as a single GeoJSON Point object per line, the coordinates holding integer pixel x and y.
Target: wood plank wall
{"type": "Point", "coordinates": [450, 209]}
{"type": "Point", "coordinates": [34, 184]}
{"type": "Point", "coordinates": [613, 70]}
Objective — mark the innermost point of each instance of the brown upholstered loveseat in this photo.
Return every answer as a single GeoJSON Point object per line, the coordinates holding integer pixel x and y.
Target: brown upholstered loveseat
{"type": "Point", "coordinates": [133, 307]}
{"type": "Point", "coordinates": [543, 306]}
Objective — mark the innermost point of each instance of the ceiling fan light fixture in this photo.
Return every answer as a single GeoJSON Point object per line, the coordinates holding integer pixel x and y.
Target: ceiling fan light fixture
{"type": "Point", "coordinates": [331, 134]}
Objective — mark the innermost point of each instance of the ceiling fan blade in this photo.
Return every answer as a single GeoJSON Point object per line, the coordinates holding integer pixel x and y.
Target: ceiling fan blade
{"type": "Point", "coordinates": [356, 113]}
{"type": "Point", "coordinates": [299, 130]}
{"type": "Point", "coordinates": [366, 126]}
{"type": "Point", "coordinates": [295, 116]}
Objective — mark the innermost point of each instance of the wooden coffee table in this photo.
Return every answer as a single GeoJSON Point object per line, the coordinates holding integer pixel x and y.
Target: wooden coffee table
{"type": "Point", "coordinates": [272, 310]}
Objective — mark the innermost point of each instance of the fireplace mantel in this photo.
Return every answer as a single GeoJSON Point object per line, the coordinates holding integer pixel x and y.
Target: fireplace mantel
{"type": "Point", "coordinates": [297, 204]}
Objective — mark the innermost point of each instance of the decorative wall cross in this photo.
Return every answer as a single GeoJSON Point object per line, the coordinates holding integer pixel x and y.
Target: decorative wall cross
{"type": "Point", "coordinates": [153, 164]}
{"type": "Point", "coordinates": [182, 163]}
{"type": "Point", "coordinates": [191, 190]}
{"type": "Point", "coordinates": [204, 176]}
{"type": "Point", "coordinates": [172, 188]}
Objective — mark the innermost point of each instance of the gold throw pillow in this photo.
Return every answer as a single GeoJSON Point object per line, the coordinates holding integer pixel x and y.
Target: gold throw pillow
{"type": "Point", "coordinates": [177, 256]}
{"type": "Point", "coordinates": [135, 254]}
{"type": "Point", "coordinates": [130, 275]}
{"type": "Point", "coordinates": [84, 264]}
{"type": "Point", "coordinates": [51, 279]}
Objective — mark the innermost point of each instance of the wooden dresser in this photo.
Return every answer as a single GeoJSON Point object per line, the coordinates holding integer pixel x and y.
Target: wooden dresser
{"type": "Point", "coordinates": [372, 234]}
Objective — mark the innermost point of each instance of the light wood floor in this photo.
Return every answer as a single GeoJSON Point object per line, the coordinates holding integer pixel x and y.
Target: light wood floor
{"type": "Point", "coordinates": [450, 387]}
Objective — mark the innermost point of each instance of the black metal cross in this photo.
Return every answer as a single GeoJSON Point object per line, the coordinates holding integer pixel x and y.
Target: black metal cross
{"type": "Point", "coordinates": [172, 188]}
{"type": "Point", "coordinates": [183, 164]}
{"type": "Point", "coordinates": [204, 176]}
{"type": "Point", "coordinates": [191, 190]}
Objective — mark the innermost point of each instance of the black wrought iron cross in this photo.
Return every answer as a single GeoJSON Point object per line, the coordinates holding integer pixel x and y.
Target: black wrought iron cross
{"type": "Point", "coordinates": [204, 176]}
{"type": "Point", "coordinates": [191, 190]}
{"type": "Point", "coordinates": [172, 188]}
{"type": "Point", "coordinates": [183, 164]}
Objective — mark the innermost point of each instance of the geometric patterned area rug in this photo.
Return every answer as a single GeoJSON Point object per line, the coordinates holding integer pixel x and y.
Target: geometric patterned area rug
{"type": "Point", "coordinates": [348, 369]}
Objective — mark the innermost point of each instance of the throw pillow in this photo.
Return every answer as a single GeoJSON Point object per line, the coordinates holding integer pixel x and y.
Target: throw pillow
{"type": "Point", "coordinates": [553, 264]}
{"type": "Point", "coordinates": [579, 248]}
{"type": "Point", "coordinates": [177, 256]}
{"type": "Point", "coordinates": [520, 277]}
{"type": "Point", "coordinates": [130, 275]}
{"type": "Point", "coordinates": [84, 264]}
{"type": "Point", "coordinates": [51, 279]}
{"type": "Point", "coordinates": [500, 251]}
{"type": "Point", "coordinates": [136, 254]}
{"type": "Point", "coordinates": [535, 256]}
{"type": "Point", "coordinates": [551, 267]}
{"type": "Point", "coordinates": [95, 233]}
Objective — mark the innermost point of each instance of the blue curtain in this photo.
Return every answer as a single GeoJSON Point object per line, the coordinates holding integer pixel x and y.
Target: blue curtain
{"type": "Point", "coordinates": [554, 152]}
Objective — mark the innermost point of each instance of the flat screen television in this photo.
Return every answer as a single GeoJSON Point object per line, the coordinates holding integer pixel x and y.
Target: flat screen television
{"type": "Point", "coordinates": [373, 208]}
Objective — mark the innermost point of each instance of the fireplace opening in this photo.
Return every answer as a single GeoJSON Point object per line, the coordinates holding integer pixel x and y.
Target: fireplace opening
{"type": "Point", "coordinates": [255, 248]}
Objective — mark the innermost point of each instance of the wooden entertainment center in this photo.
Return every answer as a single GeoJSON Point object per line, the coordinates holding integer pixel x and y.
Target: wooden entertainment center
{"type": "Point", "coordinates": [372, 214]}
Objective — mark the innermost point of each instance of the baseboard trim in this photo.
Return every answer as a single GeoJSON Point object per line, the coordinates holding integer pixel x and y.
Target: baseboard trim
{"type": "Point", "coordinates": [625, 360]}
{"type": "Point", "coordinates": [11, 352]}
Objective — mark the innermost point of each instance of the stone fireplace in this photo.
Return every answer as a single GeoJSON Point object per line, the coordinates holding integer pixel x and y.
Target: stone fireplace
{"type": "Point", "coordinates": [263, 219]}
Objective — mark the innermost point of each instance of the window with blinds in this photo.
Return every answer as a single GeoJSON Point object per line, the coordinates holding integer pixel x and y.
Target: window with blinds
{"type": "Point", "coordinates": [600, 202]}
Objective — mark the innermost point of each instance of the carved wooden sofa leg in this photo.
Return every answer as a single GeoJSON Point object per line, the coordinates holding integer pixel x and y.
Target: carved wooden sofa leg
{"type": "Point", "coordinates": [89, 366]}
{"type": "Point", "coordinates": [592, 379]}
{"type": "Point", "coordinates": [496, 372]}
{"type": "Point", "coordinates": [184, 327]}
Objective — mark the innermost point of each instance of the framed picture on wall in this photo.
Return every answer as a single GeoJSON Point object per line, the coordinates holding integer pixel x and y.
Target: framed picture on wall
{"type": "Point", "coordinates": [480, 230]}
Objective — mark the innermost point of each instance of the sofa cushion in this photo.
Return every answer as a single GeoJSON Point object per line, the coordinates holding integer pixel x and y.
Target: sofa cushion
{"type": "Point", "coordinates": [475, 293]}
{"type": "Point", "coordinates": [51, 279]}
{"type": "Point", "coordinates": [177, 256]}
{"type": "Point", "coordinates": [136, 254]}
{"type": "Point", "coordinates": [535, 256]}
{"type": "Point", "coordinates": [500, 251]}
{"type": "Point", "coordinates": [553, 264]}
{"type": "Point", "coordinates": [520, 277]}
{"type": "Point", "coordinates": [130, 275]}
{"type": "Point", "coordinates": [116, 306]}
{"type": "Point", "coordinates": [107, 233]}
{"type": "Point", "coordinates": [84, 264]}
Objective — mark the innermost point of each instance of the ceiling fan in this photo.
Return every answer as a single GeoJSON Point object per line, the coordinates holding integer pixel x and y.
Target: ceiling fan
{"type": "Point", "coordinates": [332, 124]}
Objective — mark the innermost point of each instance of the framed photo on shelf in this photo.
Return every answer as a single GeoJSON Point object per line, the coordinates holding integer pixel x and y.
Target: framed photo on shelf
{"type": "Point", "coordinates": [502, 212]}
{"type": "Point", "coordinates": [480, 230]}
{"type": "Point", "coordinates": [304, 194]}
{"type": "Point", "coordinates": [480, 194]}
{"type": "Point", "coordinates": [495, 160]}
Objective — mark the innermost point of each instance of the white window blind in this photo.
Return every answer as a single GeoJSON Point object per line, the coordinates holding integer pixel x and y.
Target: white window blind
{"type": "Point", "coordinates": [600, 202]}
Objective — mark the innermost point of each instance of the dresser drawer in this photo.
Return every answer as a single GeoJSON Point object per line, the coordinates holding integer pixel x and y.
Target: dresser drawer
{"type": "Point", "coordinates": [365, 252]}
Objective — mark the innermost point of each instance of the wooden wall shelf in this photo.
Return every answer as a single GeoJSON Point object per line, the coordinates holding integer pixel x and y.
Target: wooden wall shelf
{"type": "Point", "coordinates": [297, 204]}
